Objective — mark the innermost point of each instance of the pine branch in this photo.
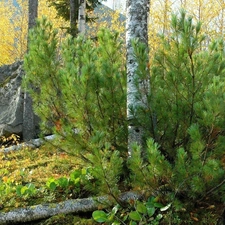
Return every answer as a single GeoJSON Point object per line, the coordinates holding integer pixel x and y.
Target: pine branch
{"type": "Point", "coordinates": [213, 189]}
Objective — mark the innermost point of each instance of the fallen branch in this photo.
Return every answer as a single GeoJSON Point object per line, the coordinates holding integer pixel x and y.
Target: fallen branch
{"type": "Point", "coordinates": [44, 211]}
{"type": "Point", "coordinates": [35, 143]}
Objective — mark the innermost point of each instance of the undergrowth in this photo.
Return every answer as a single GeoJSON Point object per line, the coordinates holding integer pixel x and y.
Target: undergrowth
{"type": "Point", "coordinates": [81, 98]}
{"type": "Point", "coordinates": [26, 173]}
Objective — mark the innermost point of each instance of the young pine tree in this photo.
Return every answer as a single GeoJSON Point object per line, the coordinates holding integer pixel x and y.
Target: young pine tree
{"type": "Point", "coordinates": [79, 93]}
{"type": "Point", "coordinates": [186, 166]}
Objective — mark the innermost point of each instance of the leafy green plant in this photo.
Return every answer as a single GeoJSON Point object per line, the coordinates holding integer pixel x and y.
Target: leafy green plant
{"type": "Point", "coordinates": [26, 191]}
{"type": "Point", "coordinates": [73, 186]}
{"type": "Point", "coordinates": [51, 184]}
{"type": "Point", "coordinates": [149, 212]}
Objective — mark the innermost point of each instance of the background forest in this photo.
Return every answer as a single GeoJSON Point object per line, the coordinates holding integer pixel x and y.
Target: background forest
{"type": "Point", "coordinates": [79, 91]}
{"type": "Point", "coordinates": [14, 20]}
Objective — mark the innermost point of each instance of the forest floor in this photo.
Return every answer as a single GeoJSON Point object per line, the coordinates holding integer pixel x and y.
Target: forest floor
{"type": "Point", "coordinates": [32, 176]}
{"type": "Point", "coordinates": [27, 176]}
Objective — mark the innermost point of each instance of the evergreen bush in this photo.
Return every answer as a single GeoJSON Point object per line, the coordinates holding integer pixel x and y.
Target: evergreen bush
{"type": "Point", "coordinates": [79, 92]}
{"type": "Point", "coordinates": [184, 162]}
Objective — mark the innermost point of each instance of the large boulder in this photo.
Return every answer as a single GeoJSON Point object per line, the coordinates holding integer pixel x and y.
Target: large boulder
{"type": "Point", "coordinates": [11, 99]}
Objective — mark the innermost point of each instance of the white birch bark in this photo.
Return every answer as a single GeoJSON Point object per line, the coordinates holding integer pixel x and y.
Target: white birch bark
{"type": "Point", "coordinates": [81, 17]}
{"type": "Point", "coordinates": [136, 28]}
{"type": "Point", "coordinates": [38, 212]}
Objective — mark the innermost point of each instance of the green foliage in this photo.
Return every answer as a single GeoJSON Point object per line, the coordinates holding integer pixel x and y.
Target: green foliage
{"type": "Point", "coordinates": [148, 173]}
{"type": "Point", "coordinates": [149, 212]}
{"type": "Point", "coordinates": [74, 186]}
{"type": "Point", "coordinates": [106, 171]}
{"type": "Point", "coordinates": [187, 102]}
{"type": "Point", "coordinates": [63, 10]}
{"type": "Point", "coordinates": [41, 66]}
{"type": "Point", "coordinates": [187, 86]}
{"type": "Point", "coordinates": [26, 191]}
{"type": "Point", "coordinates": [63, 7]}
{"type": "Point", "coordinates": [82, 97]}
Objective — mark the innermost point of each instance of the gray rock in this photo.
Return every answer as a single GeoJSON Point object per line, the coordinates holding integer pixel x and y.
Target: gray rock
{"type": "Point", "coordinates": [11, 99]}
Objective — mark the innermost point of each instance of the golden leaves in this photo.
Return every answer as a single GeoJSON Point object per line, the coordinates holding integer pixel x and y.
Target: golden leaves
{"type": "Point", "coordinates": [14, 28]}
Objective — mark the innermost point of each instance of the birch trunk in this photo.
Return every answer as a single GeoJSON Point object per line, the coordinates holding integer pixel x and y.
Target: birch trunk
{"type": "Point", "coordinates": [81, 17]}
{"type": "Point", "coordinates": [38, 212]}
{"type": "Point", "coordinates": [28, 114]}
{"type": "Point", "coordinates": [136, 28]}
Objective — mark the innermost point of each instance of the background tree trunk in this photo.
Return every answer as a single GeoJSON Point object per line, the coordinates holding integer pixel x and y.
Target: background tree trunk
{"type": "Point", "coordinates": [74, 4]}
{"type": "Point", "coordinates": [33, 13]}
{"type": "Point", "coordinates": [28, 114]}
{"type": "Point", "coordinates": [82, 17]}
{"type": "Point", "coordinates": [136, 28]}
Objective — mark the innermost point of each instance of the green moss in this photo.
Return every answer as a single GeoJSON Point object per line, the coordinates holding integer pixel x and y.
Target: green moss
{"type": "Point", "coordinates": [67, 219]}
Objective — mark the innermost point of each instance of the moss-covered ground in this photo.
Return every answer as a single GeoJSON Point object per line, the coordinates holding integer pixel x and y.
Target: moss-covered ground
{"type": "Point", "coordinates": [25, 175]}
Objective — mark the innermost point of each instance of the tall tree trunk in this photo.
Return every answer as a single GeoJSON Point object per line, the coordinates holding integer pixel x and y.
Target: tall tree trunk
{"type": "Point", "coordinates": [28, 114]}
{"type": "Point", "coordinates": [82, 17]}
{"type": "Point", "coordinates": [74, 4]}
{"type": "Point", "coordinates": [33, 13]}
{"type": "Point", "coordinates": [136, 28]}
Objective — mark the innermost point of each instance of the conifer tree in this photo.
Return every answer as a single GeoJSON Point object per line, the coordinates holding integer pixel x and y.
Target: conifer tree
{"type": "Point", "coordinates": [83, 91]}
{"type": "Point", "coordinates": [184, 163]}
{"type": "Point", "coordinates": [81, 97]}
{"type": "Point", "coordinates": [181, 81]}
{"type": "Point", "coordinates": [69, 11]}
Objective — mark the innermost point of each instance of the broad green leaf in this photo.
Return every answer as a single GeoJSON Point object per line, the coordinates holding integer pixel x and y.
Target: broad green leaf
{"type": "Point", "coordinates": [23, 190]}
{"type": "Point", "coordinates": [99, 216]}
{"type": "Point", "coordinates": [84, 171]}
{"type": "Point", "coordinates": [132, 223]}
{"type": "Point", "coordinates": [141, 208]}
{"type": "Point", "coordinates": [30, 186]}
{"type": "Point", "coordinates": [18, 190]}
{"type": "Point", "coordinates": [52, 186]}
{"type": "Point", "coordinates": [75, 174]}
{"type": "Point", "coordinates": [135, 216]}
{"type": "Point", "coordinates": [151, 211]}
{"type": "Point", "coordinates": [158, 205]}
{"type": "Point", "coordinates": [63, 182]}
{"type": "Point", "coordinates": [115, 209]}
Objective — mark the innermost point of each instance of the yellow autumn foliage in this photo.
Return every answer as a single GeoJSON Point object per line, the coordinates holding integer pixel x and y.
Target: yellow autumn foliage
{"type": "Point", "coordinates": [210, 12]}
{"type": "Point", "coordinates": [14, 25]}
{"type": "Point", "coordinates": [14, 19]}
